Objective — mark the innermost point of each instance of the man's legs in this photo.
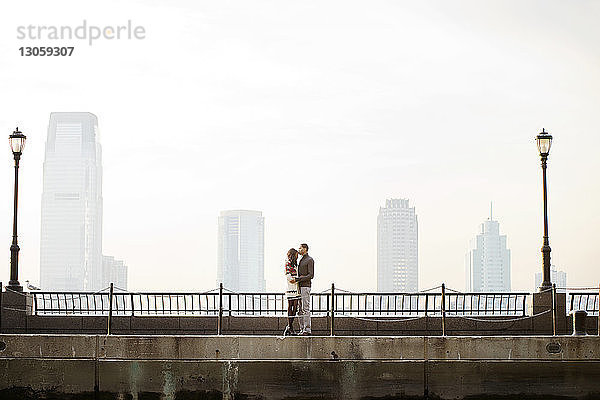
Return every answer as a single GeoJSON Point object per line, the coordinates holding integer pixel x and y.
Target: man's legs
{"type": "Point", "coordinates": [301, 311]}
{"type": "Point", "coordinates": [305, 310]}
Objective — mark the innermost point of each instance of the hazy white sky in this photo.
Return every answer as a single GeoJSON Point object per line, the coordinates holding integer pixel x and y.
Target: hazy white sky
{"type": "Point", "coordinates": [315, 112]}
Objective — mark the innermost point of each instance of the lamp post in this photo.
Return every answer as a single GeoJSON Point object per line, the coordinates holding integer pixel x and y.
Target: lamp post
{"type": "Point", "coordinates": [544, 141]}
{"type": "Point", "coordinates": [17, 143]}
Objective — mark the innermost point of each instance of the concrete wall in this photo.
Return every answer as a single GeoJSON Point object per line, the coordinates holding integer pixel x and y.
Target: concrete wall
{"type": "Point", "coordinates": [259, 367]}
{"type": "Point", "coordinates": [344, 326]}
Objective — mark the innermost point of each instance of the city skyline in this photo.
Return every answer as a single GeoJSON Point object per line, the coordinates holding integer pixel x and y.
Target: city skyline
{"type": "Point", "coordinates": [67, 132]}
{"type": "Point", "coordinates": [313, 114]}
{"type": "Point", "coordinates": [119, 276]}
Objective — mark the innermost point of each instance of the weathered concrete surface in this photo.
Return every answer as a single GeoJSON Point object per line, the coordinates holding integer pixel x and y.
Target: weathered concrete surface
{"type": "Point", "coordinates": [253, 367]}
{"type": "Point", "coordinates": [515, 379]}
{"type": "Point", "coordinates": [49, 346]}
{"type": "Point", "coordinates": [20, 322]}
{"type": "Point", "coordinates": [15, 308]}
{"type": "Point", "coordinates": [301, 379]}
{"type": "Point", "coordinates": [203, 347]}
{"type": "Point", "coordinates": [16, 322]}
{"type": "Point", "coordinates": [543, 302]}
{"type": "Point", "coordinates": [46, 375]}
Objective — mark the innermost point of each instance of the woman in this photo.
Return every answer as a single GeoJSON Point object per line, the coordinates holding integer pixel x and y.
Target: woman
{"type": "Point", "coordinates": [292, 293]}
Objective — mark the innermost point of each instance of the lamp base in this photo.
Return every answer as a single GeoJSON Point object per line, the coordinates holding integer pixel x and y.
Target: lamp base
{"type": "Point", "coordinates": [15, 287]}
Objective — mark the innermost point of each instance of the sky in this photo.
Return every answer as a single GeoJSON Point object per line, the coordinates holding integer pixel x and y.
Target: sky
{"type": "Point", "coordinates": [315, 113]}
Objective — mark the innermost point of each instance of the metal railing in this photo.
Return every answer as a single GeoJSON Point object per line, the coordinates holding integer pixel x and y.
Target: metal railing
{"type": "Point", "coordinates": [142, 304]}
{"type": "Point", "coordinates": [371, 306]}
{"type": "Point", "coordinates": [586, 301]}
{"type": "Point", "coordinates": [275, 304]}
{"type": "Point", "coordinates": [430, 304]}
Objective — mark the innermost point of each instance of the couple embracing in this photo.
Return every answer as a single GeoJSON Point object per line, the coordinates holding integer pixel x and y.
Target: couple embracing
{"type": "Point", "coordinates": [299, 275]}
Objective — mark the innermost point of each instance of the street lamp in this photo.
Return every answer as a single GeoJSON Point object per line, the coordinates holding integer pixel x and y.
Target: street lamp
{"type": "Point", "coordinates": [17, 143]}
{"type": "Point", "coordinates": [544, 141]}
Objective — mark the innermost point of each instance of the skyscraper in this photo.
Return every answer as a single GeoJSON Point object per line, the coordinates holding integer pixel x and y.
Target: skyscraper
{"type": "Point", "coordinates": [487, 264]}
{"type": "Point", "coordinates": [241, 251]}
{"type": "Point", "coordinates": [397, 247]}
{"type": "Point", "coordinates": [558, 277]}
{"type": "Point", "coordinates": [71, 226]}
{"type": "Point", "coordinates": [114, 271]}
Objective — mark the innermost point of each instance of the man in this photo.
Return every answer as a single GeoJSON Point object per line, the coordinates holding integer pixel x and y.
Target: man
{"type": "Point", "coordinates": [306, 272]}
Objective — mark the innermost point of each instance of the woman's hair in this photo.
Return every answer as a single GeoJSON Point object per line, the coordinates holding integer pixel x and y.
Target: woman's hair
{"type": "Point", "coordinates": [292, 255]}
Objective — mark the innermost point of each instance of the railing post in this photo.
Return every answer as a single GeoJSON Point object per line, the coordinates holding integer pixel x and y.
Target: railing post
{"type": "Point", "coordinates": [110, 301]}
{"type": "Point", "coordinates": [220, 318]}
{"type": "Point", "coordinates": [332, 331]}
{"type": "Point", "coordinates": [229, 304]}
{"type": "Point", "coordinates": [1, 294]}
{"type": "Point", "coordinates": [132, 307]}
{"type": "Point", "coordinates": [554, 309]}
{"type": "Point", "coordinates": [443, 309]}
{"type": "Point", "coordinates": [598, 310]}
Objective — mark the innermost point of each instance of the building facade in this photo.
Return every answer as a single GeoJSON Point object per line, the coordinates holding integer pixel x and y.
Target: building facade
{"type": "Point", "coordinates": [114, 271]}
{"type": "Point", "coordinates": [240, 263]}
{"type": "Point", "coordinates": [71, 222]}
{"type": "Point", "coordinates": [397, 247]}
{"type": "Point", "coordinates": [558, 277]}
{"type": "Point", "coordinates": [487, 263]}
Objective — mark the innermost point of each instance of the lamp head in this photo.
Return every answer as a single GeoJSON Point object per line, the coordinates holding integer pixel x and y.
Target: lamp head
{"type": "Point", "coordinates": [17, 141]}
{"type": "Point", "coordinates": [544, 141]}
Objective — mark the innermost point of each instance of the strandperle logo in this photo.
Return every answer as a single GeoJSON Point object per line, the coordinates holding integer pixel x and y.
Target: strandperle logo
{"type": "Point", "coordinates": [89, 33]}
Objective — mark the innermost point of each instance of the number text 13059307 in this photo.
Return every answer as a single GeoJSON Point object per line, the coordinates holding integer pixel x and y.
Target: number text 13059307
{"type": "Point", "coordinates": [46, 51]}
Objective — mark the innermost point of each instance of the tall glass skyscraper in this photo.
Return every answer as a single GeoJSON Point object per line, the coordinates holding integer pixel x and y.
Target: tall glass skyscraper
{"type": "Point", "coordinates": [241, 260]}
{"type": "Point", "coordinates": [71, 226]}
{"type": "Point", "coordinates": [397, 247]}
{"type": "Point", "coordinates": [487, 264]}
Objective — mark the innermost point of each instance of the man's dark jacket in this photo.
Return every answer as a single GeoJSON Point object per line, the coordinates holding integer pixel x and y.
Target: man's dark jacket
{"type": "Point", "coordinates": [306, 270]}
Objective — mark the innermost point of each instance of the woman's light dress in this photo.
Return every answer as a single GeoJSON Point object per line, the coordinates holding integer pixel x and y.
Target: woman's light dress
{"type": "Point", "coordinates": [292, 292]}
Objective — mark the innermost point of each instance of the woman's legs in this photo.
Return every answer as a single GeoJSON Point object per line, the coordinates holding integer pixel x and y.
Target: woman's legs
{"type": "Point", "coordinates": [292, 310]}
